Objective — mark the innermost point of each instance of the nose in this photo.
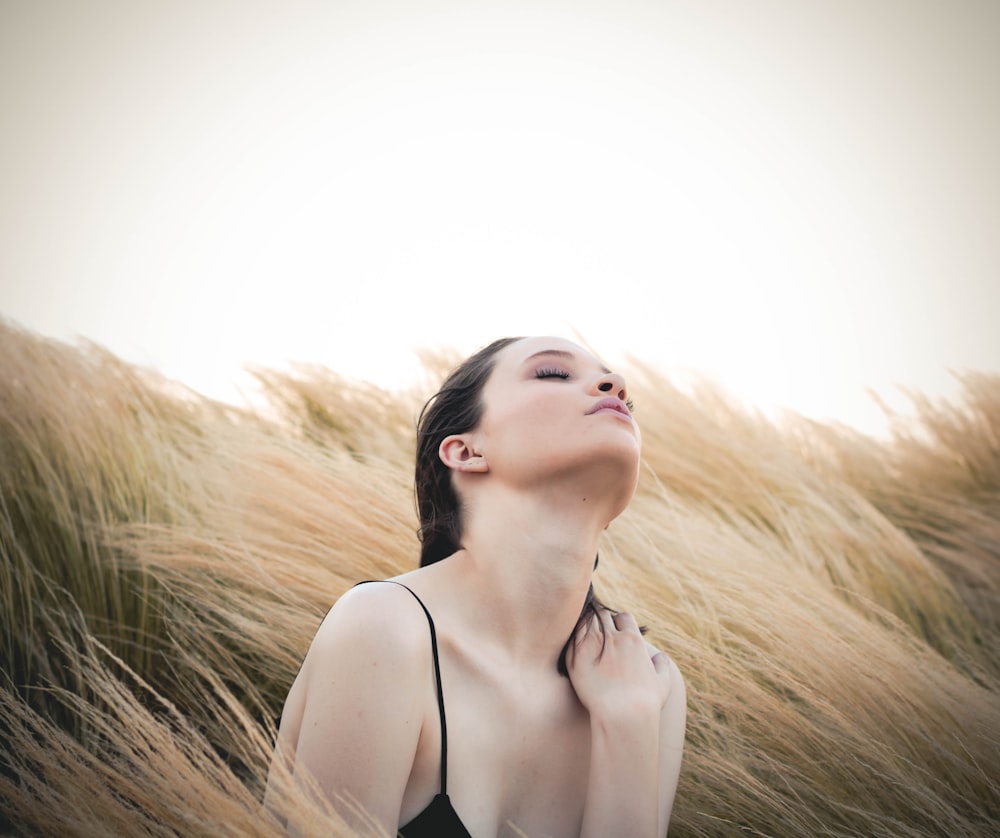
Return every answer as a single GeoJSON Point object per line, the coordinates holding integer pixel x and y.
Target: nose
{"type": "Point", "coordinates": [613, 384]}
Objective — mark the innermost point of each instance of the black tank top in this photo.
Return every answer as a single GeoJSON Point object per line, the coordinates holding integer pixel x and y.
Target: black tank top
{"type": "Point", "coordinates": [439, 819]}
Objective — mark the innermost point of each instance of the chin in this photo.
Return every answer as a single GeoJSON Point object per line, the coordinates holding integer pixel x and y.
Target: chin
{"type": "Point", "coordinates": [609, 471]}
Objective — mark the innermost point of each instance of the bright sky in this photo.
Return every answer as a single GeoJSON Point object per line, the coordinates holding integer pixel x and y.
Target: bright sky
{"type": "Point", "coordinates": [800, 200]}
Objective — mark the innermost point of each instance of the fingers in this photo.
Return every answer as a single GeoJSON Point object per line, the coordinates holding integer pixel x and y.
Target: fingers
{"type": "Point", "coordinates": [607, 620]}
{"type": "Point", "coordinates": [598, 628]}
{"type": "Point", "coordinates": [624, 621]}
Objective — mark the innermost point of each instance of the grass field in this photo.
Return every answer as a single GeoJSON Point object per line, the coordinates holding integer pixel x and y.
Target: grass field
{"type": "Point", "coordinates": [833, 600]}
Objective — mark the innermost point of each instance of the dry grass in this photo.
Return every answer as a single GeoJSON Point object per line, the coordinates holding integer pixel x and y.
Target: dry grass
{"type": "Point", "coordinates": [834, 601]}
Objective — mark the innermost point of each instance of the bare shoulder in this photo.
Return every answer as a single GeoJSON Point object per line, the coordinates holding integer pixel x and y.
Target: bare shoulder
{"type": "Point", "coordinates": [354, 714]}
{"type": "Point", "coordinates": [673, 724]}
{"type": "Point", "coordinates": [374, 636]}
{"type": "Point", "coordinates": [673, 716]}
{"type": "Point", "coordinates": [676, 679]}
{"type": "Point", "coordinates": [382, 618]}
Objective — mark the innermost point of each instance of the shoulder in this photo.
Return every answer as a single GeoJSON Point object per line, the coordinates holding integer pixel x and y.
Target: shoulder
{"type": "Point", "coordinates": [380, 616]}
{"type": "Point", "coordinates": [370, 656]}
{"type": "Point", "coordinates": [673, 722]}
{"type": "Point", "coordinates": [653, 651]}
{"type": "Point", "coordinates": [678, 691]}
{"type": "Point", "coordinates": [673, 716]}
{"type": "Point", "coordinates": [384, 603]}
{"type": "Point", "coordinates": [375, 633]}
{"type": "Point", "coordinates": [362, 697]}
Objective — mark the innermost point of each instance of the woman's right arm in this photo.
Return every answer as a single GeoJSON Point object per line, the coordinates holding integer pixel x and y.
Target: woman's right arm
{"type": "Point", "coordinates": [364, 682]}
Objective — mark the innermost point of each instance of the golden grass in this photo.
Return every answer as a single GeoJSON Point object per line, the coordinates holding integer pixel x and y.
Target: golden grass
{"type": "Point", "coordinates": [833, 600]}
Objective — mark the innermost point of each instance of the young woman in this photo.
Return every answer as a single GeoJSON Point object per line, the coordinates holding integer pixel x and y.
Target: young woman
{"type": "Point", "coordinates": [439, 701]}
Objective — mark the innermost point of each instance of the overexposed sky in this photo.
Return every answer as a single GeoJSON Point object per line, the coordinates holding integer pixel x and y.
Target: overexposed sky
{"type": "Point", "coordinates": [800, 200]}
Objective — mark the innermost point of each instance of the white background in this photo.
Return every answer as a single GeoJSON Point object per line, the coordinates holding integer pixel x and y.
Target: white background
{"type": "Point", "coordinates": [799, 200]}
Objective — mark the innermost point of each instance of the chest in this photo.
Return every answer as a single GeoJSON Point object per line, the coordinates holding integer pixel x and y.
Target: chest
{"type": "Point", "coordinates": [518, 755]}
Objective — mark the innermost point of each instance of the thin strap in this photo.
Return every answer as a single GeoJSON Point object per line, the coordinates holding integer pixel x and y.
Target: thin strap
{"type": "Point", "coordinates": [437, 677]}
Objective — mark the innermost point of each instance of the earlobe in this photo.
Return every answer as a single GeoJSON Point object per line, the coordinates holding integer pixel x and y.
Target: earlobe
{"type": "Point", "coordinates": [457, 453]}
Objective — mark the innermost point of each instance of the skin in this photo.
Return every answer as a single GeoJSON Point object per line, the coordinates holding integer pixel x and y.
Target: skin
{"type": "Point", "coordinates": [598, 754]}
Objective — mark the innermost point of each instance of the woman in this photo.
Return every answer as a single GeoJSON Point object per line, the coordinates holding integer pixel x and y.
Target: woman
{"type": "Point", "coordinates": [435, 701]}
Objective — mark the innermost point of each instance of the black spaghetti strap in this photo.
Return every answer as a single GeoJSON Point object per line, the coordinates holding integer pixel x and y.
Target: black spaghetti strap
{"type": "Point", "coordinates": [437, 678]}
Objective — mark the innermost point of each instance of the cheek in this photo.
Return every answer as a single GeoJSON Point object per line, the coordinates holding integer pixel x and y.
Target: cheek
{"type": "Point", "coordinates": [527, 422]}
{"type": "Point", "coordinates": [523, 437]}
{"type": "Point", "coordinates": [530, 441]}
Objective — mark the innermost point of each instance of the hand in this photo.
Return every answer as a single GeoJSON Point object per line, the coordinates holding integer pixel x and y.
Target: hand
{"type": "Point", "coordinates": [615, 672]}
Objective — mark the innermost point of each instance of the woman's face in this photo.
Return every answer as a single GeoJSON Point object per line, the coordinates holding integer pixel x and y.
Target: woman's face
{"type": "Point", "coordinates": [552, 409]}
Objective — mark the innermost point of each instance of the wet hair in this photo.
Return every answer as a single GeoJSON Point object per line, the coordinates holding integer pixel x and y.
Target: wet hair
{"type": "Point", "coordinates": [457, 408]}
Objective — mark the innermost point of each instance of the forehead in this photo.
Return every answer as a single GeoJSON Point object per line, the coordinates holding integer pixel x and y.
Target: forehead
{"type": "Point", "coordinates": [524, 350]}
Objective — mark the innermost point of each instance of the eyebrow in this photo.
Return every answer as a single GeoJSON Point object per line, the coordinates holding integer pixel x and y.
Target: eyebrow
{"type": "Point", "coordinates": [560, 353]}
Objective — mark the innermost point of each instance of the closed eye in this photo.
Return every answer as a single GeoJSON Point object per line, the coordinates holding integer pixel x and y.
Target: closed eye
{"type": "Point", "coordinates": [551, 372]}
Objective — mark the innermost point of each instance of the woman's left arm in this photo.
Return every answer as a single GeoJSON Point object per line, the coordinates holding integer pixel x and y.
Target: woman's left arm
{"type": "Point", "coordinates": [635, 698]}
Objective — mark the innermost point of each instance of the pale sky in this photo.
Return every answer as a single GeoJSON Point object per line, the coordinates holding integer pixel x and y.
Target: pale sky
{"type": "Point", "coordinates": [798, 200]}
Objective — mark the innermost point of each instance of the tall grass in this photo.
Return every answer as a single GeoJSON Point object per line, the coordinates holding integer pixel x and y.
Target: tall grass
{"type": "Point", "coordinates": [833, 600]}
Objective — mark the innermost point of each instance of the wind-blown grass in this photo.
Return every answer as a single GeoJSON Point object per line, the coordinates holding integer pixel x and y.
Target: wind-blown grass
{"type": "Point", "coordinates": [833, 600]}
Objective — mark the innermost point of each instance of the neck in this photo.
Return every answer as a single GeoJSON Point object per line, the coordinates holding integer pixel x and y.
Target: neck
{"type": "Point", "coordinates": [525, 567]}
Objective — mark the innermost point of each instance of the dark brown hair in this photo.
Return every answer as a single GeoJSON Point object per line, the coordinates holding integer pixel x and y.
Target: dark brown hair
{"type": "Point", "coordinates": [457, 409]}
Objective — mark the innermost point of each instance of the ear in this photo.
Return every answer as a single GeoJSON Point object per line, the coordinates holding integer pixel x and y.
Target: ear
{"type": "Point", "coordinates": [457, 453]}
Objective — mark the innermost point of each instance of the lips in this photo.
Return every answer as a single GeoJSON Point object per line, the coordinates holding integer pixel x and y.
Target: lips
{"type": "Point", "coordinates": [610, 403]}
